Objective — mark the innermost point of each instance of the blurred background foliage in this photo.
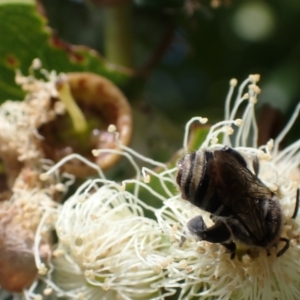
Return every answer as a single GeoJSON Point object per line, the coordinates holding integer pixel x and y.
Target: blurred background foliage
{"type": "Point", "coordinates": [179, 56]}
{"type": "Point", "coordinates": [185, 51]}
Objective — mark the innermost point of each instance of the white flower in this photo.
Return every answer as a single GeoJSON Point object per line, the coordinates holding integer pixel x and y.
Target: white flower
{"type": "Point", "coordinates": [117, 252]}
{"type": "Point", "coordinates": [107, 247]}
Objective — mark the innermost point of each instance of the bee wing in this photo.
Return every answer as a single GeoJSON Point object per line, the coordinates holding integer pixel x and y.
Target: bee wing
{"type": "Point", "coordinates": [241, 193]}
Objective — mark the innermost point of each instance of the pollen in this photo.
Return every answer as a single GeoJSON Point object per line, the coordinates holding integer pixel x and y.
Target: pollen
{"type": "Point", "coordinates": [112, 128]}
{"type": "Point", "coordinates": [246, 96]}
{"type": "Point", "coordinates": [42, 270]}
{"type": "Point", "coordinates": [189, 269]}
{"type": "Point", "coordinates": [172, 238]}
{"type": "Point", "coordinates": [254, 77]}
{"type": "Point", "coordinates": [43, 176]}
{"type": "Point", "coordinates": [233, 82]}
{"type": "Point", "coordinates": [81, 198]}
{"type": "Point", "coordinates": [89, 274]}
{"type": "Point", "coordinates": [147, 178]}
{"type": "Point", "coordinates": [238, 122]}
{"type": "Point", "coordinates": [201, 250]}
{"type": "Point", "coordinates": [270, 144]}
{"type": "Point", "coordinates": [183, 264]}
{"type": "Point", "coordinates": [58, 253]}
{"type": "Point", "coordinates": [122, 187]}
{"type": "Point", "coordinates": [59, 108]}
{"type": "Point", "coordinates": [228, 130]}
{"type": "Point", "coordinates": [157, 269]}
{"type": "Point", "coordinates": [174, 228]}
{"type": "Point", "coordinates": [203, 120]}
{"type": "Point", "coordinates": [165, 264]}
{"type": "Point", "coordinates": [214, 140]}
{"type": "Point", "coordinates": [264, 156]}
{"type": "Point", "coordinates": [95, 152]}
{"type": "Point", "coordinates": [60, 187]}
{"type": "Point", "coordinates": [254, 88]}
{"type": "Point", "coordinates": [36, 64]}
{"type": "Point", "coordinates": [273, 187]}
{"type": "Point", "coordinates": [47, 291]}
{"type": "Point", "coordinates": [94, 217]}
{"type": "Point", "coordinates": [80, 296]}
{"type": "Point", "coordinates": [78, 241]}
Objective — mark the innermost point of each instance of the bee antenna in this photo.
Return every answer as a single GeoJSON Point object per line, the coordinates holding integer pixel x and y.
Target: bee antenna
{"type": "Point", "coordinates": [296, 204]}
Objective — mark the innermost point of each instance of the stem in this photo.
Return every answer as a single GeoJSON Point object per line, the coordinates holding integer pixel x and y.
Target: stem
{"type": "Point", "coordinates": [76, 115]}
{"type": "Point", "coordinates": [118, 34]}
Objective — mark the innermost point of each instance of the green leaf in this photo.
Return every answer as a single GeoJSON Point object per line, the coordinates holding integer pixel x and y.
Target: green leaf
{"type": "Point", "coordinates": [25, 36]}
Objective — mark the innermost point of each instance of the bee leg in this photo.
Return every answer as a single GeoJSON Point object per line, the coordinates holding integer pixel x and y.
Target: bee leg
{"type": "Point", "coordinates": [296, 205]}
{"type": "Point", "coordinates": [231, 248]}
{"type": "Point", "coordinates": [218, 233]}
{"type": "Point", "coordinates": [286, 246]}
{"type": "Point", "coordinates": [197, 226]}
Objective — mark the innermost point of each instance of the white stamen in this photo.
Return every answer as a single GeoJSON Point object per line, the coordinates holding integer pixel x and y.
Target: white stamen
{"type": "Point", "coordinates": [112, 128]}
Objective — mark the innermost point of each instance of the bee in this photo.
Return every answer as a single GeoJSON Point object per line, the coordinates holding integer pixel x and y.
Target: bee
{"type": "Point", "coordinates": [242, 207]}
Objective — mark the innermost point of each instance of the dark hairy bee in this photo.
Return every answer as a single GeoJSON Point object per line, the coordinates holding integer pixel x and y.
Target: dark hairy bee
{"type": "Point", "coordinates": [242, 207]}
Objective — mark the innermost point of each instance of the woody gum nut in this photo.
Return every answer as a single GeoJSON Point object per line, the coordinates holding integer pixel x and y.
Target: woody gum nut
{"type": "Point", "coordinates": [17, 264]}
{"type": "Point", "coordinates": [100, 95]}
{"type": "Point", "coordinates": [95, 91]}
{"type": "Point", "coordinates": [17, 267]}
